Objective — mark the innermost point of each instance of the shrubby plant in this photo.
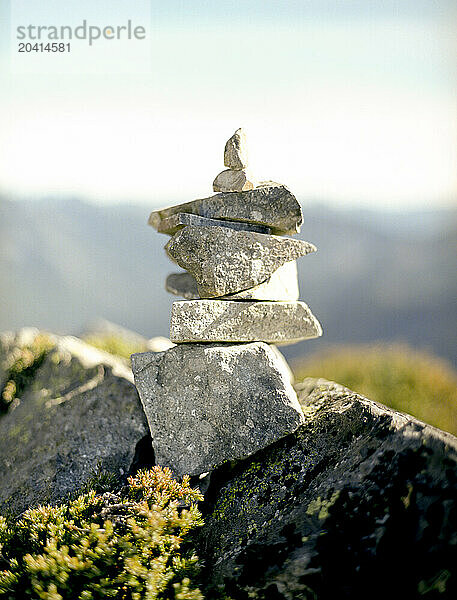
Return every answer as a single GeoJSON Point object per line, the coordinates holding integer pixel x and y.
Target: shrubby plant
{"type": "Point", "coordinates": [398, 376]}
{"type": "Point", "coordinates": [128, 545]}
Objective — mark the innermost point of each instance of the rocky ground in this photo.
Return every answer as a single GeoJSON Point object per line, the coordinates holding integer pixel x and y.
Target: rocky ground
{"type": "Point", "coordinates": [359, 498]}
{"type": "Point", "coordinates": [359, 501]}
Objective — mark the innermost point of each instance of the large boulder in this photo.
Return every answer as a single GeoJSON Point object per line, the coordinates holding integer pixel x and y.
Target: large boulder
{"type": "Point", "coordinates": [79, 415]}
{"type": "Point", "coordinates": [360, 501]}
{"type": "Point", "coordinates": [207, 404]}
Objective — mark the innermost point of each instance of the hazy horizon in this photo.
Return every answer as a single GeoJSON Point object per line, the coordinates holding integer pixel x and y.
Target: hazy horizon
{"type": "Point", "coordinates": [376, 275]}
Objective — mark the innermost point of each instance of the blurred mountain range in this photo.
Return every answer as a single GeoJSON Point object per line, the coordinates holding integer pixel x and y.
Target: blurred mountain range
{"type": "Point", "coordinates": [376, 275]}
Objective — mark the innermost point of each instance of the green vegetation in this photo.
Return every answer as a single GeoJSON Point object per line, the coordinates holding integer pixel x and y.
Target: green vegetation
{"type": "Point", "coordinates": [407, 380]}
{"type": "Point", "coordinates": [115, 344]}
{"type": "Point", "coordinates": [128, 545]}
{"type": "Point", "coordinates": [23, 362]}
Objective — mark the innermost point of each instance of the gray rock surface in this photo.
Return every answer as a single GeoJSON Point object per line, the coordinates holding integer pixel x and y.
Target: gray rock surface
{"type": "Point", "coordinates": [177, 221]}
{"type": "Point", "coordinates": [269, 204]}
{"type": "Point", "coordinates": [242, 321]}
{"type": "Point", "coordinates": [209, 404]}
{"type": "Point", "coordinates": [235, 151]}
{"type": "Point", "coordinates": [359, 501]}
{"type": "Point", "coordinates": [234, 181]}
{"type": "Point", "coordinates": [282, 359]}
{"type": "Point", "coordinates": [79, 414]}
{"type": "Point", "coordinates": [224, 261]}
{"type": "Point", "coordinates": [282, 285]}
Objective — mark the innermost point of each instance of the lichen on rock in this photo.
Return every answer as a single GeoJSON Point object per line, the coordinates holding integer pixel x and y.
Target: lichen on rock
{"type": "Point", "coordinates": [358, 497]}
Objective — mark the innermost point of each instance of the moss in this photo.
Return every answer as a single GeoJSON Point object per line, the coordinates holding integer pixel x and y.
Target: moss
{"type": "Point", "coordinates": [321, 507]}
{"type": "Point", "coordinates": [127, 545]}
{"type": "Point", "coordinates": [407, 499]}
{"type": "Point", "coordinates": [256, 481]}
{"type": "Point", "coordinates": [22, 366]}
{"type": "Point", "coordinates": [246, 489]}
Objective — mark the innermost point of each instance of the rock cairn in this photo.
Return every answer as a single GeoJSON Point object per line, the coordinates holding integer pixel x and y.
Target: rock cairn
{"type": "Point", "coordinates": [224, 391]}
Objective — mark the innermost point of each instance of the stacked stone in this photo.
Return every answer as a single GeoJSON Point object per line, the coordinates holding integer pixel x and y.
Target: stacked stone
{"type": "Point", "coordinates": [224, 392]}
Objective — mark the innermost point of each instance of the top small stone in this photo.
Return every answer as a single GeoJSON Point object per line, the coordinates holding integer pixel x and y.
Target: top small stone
{"type": "Point", "coordinates": [235, 153]}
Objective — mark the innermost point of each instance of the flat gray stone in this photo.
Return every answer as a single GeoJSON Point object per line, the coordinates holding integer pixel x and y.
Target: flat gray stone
{"type": "Point", "coordinates": [242, 321]}
{"type": "Point", "coordinates": [269, 204]}
{"type": "Point", "coordinates": [173, 224]}
{"type": "Point", "coordinates": [232, 180]}
{"type": "Point", "coordinates": [79, 414]}
{"type": "Point", "coordinates": [235, 152]}
{"type": "Point", "coordinates": [282, 285]}
{"type": "Point", "coordinates": [208, 404]}
{"type": "Point", "coordinates": [224, 261]}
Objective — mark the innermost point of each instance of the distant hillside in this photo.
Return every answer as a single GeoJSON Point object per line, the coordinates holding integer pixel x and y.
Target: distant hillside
{"type": "Point", "coordinates": [375, 276]}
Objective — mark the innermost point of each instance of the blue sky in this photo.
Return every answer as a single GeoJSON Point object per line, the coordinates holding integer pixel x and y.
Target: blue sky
{"type": "Point", "coordinates": [352, 103]}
